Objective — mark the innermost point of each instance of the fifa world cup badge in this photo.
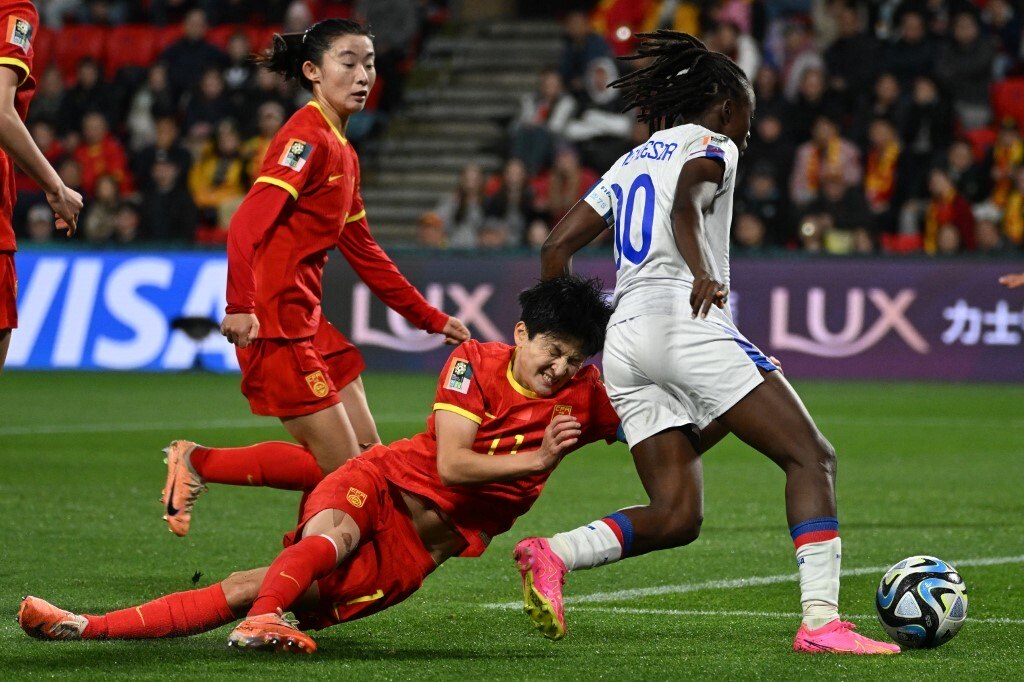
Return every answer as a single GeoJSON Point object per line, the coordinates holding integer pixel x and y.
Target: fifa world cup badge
{"type": "Point", "coordinates": [317, 383]}
{"type": "Point", "coordinates": [296, 152]}
{"type": "Point", "coordinates": [19, 32]}
{"type": "Point", "coordinates": [460, 377]}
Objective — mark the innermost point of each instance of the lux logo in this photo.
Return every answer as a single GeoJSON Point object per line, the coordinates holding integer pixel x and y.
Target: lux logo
{"type": "Point", "coordinates": [851, 340]}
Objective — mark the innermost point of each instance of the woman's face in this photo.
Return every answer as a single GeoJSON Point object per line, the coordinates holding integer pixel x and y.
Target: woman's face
{"type": "Point", "coordinates": [345, 75]}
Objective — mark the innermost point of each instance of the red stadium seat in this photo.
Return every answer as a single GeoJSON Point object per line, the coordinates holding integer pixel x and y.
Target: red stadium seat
{"type": "Point", "coordinates": [981, 140]}
{"type": "Point", "coordinates": [76, 43]}
{"type": "Point", "coordinates": [1008, 100]}
{"type": "Point", "coordinates": [219, 35]}
{"type": "Point", "coordinates": [42, 45]}
{"type": "Point", "coordinates": [166, 36]}
{"type": "Point", "coordinates": [902, 243]}
{"type": "Point", "coordinates": [260, 36]}
{"type": "Point", "coordinates": [131, 45]}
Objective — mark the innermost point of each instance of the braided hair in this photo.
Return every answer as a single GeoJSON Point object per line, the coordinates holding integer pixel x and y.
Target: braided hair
{"type": "Point", "coordinates": [289, 51]}
{"type": "Point", "coordinates": [683, 79]}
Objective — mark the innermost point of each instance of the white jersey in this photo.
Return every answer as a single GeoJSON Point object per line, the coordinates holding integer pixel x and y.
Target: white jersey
{"type": "Point", "coordinates": [635, 197]}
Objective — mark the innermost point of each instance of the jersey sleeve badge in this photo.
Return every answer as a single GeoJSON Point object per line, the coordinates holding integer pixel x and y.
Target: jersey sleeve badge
{"type": "Point", "coordinates": [460, 378]}
{"type": "Point", "coordinates": [19, 32]}
{"type": "Point", "coordinates": [600, 199]}
{"type": "Point", "coordinates": [561, 409]}
{"type": "Point", "coordinates": [296, 152]}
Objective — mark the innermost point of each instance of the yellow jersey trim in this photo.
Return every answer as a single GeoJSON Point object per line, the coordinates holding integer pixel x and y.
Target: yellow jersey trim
{"type": "Point", "coordinates": [279, 183]}
{"type": "Point", "coordinates": [370, 597]}
{"type": "Point", "coordinates": [334, 128]}
{"type": "Point", "coordinates": [519, 388]}
{"type": "Point", "coordinates": [11, 61]}
{"type": "Point", "coordinates": [458, 410]}
{"type": "Point", "coordinates": [357, 216]}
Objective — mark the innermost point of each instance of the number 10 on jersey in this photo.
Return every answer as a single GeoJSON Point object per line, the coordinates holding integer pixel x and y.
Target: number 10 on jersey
{"type": "Point", "coordinates": [624, 235]}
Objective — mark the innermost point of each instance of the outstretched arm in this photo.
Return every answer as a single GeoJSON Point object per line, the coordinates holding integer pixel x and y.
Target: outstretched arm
{"type": "Point", "coordinates": [695, 192]}
{"type": "Point", "coordinates": [16, 141]}
{"type": "Point", "coordinates": [459, 464]}
{"type": "Point", "coordinates": [580, 226]}
{"type": "Point", "coordinates": [1012, 281]}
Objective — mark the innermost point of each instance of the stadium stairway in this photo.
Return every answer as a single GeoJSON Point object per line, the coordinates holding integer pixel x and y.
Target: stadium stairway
{"type": "Point", "coordinates": [459, 100]}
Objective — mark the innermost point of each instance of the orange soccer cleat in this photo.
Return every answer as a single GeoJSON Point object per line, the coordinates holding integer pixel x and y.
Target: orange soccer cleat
{"type": "Point", "coordinates": [182, 489]}
{"type": "Point", "coordinates": [42, 620]}
{"type": "Point", "coordinates": [271, 632]}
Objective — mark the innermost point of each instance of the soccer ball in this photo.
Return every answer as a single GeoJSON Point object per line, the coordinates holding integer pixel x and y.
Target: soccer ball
{"type": "Point", "coordinates": [921, 602]}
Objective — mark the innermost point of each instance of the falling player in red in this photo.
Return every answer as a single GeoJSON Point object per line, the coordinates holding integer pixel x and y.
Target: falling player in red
{"type": "Point", "coordinates": [19, 21]}
{"type": "Point", "coordinates": [295, 364]}
{"type": "Point", "coordinates": [503, 418]}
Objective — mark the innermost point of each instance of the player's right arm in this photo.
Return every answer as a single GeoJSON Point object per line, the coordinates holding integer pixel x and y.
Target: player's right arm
{"type": "Point", "coordinates": [16, 141]}
{"type": "Point", "coordinates": [580, 226]}
{"type": "Point", "coordinates": [698, 183]}
{"type": "Point", "coordinates": [459, 464]}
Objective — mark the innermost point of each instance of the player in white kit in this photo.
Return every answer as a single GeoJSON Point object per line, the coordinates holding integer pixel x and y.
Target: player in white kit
{"type": "Point", "coordinates": [679, 373]}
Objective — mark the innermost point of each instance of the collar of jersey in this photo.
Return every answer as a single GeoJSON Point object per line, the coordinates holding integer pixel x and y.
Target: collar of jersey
{"type": "Point", "coordinates": [334, 129]}
{"type": "Point", "coordinates": [519, 388]}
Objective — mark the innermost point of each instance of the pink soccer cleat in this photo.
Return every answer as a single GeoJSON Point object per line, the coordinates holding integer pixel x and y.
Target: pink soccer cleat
{"type": "Point", "coordinates": [838, 637]}
{"type": "Point", "coordinates": [543, 576]}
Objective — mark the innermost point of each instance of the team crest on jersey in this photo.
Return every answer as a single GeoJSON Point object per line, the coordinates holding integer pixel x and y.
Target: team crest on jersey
{"type": "Point", "coordinates": [460, 377]}
{"type": "Point", "coordinates": [295, 154]}
{"type": "Point", "coordinates": [356, 497]}
{"type": "Point", "coordinates": [19, 32]}
{"type": "Point", "coordinates": [561, 409]}
{"type": "Point", "coordinates": [317, 384]}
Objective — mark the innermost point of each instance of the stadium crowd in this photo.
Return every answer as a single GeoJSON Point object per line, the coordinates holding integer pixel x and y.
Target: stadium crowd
{"type": "Point", "coordinates": [882, 126]}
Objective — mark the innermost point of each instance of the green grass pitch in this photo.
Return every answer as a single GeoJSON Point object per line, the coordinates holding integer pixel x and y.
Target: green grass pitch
{"type": "Point", "coordinates": [923, 468]}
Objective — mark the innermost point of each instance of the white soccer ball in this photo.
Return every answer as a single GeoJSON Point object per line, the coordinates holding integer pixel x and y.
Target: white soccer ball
{"type": "Point", "coordinates": [921, 602]}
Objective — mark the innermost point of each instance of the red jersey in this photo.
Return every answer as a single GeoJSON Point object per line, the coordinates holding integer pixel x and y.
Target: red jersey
{"type": "Point", "coordinates": [477, 383]}
{"type": "Point", "coordinates": [19, 22]}
{"type": "Point", "coordinates": [277, 249]}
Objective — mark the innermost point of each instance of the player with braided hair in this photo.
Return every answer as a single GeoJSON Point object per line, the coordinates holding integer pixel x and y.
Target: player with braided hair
{"type": "Point", "coordinates": [679, 373]}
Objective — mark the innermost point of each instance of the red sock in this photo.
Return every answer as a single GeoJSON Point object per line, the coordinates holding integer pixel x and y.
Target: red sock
{"type": "Point", "coordinates": [293, 571]}
{"type": "Point", "coordinates": [275, 464]}
{"type": "Point", "coordinates": [176, 615]}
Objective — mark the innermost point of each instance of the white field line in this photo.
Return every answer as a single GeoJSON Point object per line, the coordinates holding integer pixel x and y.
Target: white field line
{"type": "Point", "coordinates": [385, 418]}
{"type": "Point", "coordinates": [641, 592]}
{"type": "Point", "coordinates": [755, 614]}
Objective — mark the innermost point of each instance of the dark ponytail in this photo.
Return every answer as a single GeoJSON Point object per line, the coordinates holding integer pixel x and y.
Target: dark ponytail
{"type": "Point", "coordinates": [289, 51]}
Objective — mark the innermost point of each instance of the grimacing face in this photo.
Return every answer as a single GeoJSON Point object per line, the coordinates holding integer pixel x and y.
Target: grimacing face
{"type": "Point", "coordinates": [545, 364]}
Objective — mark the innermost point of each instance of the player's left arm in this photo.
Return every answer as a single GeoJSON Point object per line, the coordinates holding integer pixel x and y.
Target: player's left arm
{"type": "Point", "coordinates": [16, 141]}
{"type": "Point", "coordinates": [699, 181]}
{"type": "Point", "coordinates": [459, 464]}
{"type": "Point", "coordinates": [380, 273]}
{"type": "Point", "coordinates": [580, 226]}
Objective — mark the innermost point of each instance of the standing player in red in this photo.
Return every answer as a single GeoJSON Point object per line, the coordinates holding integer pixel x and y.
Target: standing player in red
{"type": "Point", "coordinates": [504, 416]}
{"type": "Point", "coordinates": [19, 21]}
{"type": "Point", "coordinates": [295, 364]}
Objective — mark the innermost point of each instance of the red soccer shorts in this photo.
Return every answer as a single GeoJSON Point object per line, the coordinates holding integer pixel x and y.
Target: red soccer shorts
{"type": "Point", "coordinates": [390, 562]}
{"type": "Point", "coordinates": [295, 377]}
{"type": "Point", "coordinates": [8, 291]}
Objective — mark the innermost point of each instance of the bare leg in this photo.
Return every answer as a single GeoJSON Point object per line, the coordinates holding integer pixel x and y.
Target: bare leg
{"type": "Point", "coordinates": [353, 399]}
{"type": "Point", "coordinates": [5, 343]}
{"type": "Point", "coordinates": [327, 434]}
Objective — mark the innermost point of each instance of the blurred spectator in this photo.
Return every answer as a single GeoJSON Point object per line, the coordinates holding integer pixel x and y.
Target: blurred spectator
{"type": "Point", "coordinates": [581, 46]}
{"type": "Point", "coordinates": [430, 231]}
{"type": "Point", "coordinates": [558, 189]}
{"type": "Point", "coordinates": [825, 154]}
{"type": "Point", "coordinates": [946, 208]}
{"type": "Point", "coordinates": [749, 233]}
{"type": "Point", "coordinates": [885, 102]}
{"type": "Point", "coordinates": [269, 87]}
{"type": "Point", "coordinates": [769, 148]}
{"type": "Point", "coordinates": [217, 180]}
{"type": "Point", "coordinates": [1006, 29]}
{"type": "Point", "coordinates": [800, 55]}
{"type": "Point", "coordinates": [100, 213]}
{"type": "Point", "coordinates": [298, 17]}
{"type": "Point", "coordinates": [913, 53]}
{"type": "Point", "coordinates": [88, 94]}
{"type": "Point", "coordinates": [1006, 154]}
{"type": "Point", "coordinates": [947, 240]}
{"type": "Point", "coordinates": [168, 211]}
{"type": "Point", "coordinates": [600, 126]}
{"type": "Point", "coordinates": [761, 197]}
{"type": "Point", "coordinates": [852, 59]}
{"type": "Point", "coordinates": [70, 172]}
{"type": "Point", "coordinates": [812, 101]}
{"type": "Point", "coordinates": [512, 200]}
{"type": "Point", "coordinates": [394, 27]}
{"type": "Point", "coordinates": [189, 57]}
{"type": "Point", "coordinates": [882, 175]}
{"type": "Point", "coordinates": [1013, 212]}
{"type": "Point", "coordinates": [151, 101]}
{"type": "Point", "coordinates": [728, 38]}
{"type": "Point", "coordinates": [49, 98]}
{"type": "Point", "coordinates": [166, 146]}
{"type": "Point", "coordinates": [45, 137]}
{"type": "Point", "coordinates": [494, 234]}
{"type": "Point", "coordinates": [543, 116]}
{"type": "Point", "coordinates": [838, 213]}
{"type": "Point", "coordinates": [462, 211]}
{"type": "Point", "coordinates": [240, 72]}
{"type": "Point", "coordinates": [207, 106]}
{"type": "Point", "coordinates": [964, 68]}
{"type": "Point", "coordinates": [768, 92]}
{"type": "Point", "coordinates": [928, 132]}
{"type": "Point", "coordinates": [269, 119]}
{"type": "Point", "coordinates": [126, 224]}
{"type": "Point", "coordinates": [988, 235]}
{"type": "Point", "coordinates": [39, 224]}
{"type": "Point", "coordinates": [536, 233]}
{"type": "Point", "coordinates": [101, 154]}
{"type": "Point", "coordinates": [970, 179]}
